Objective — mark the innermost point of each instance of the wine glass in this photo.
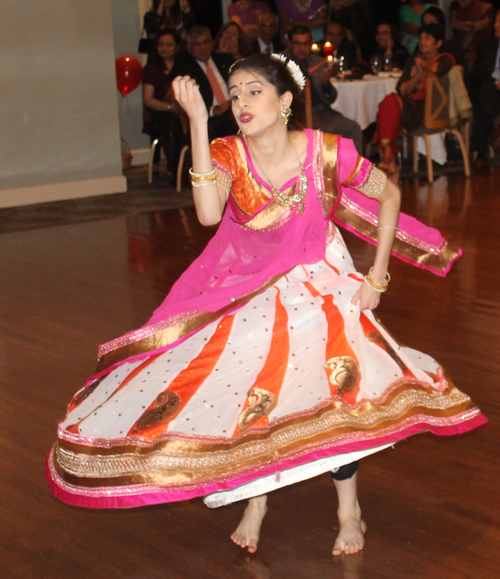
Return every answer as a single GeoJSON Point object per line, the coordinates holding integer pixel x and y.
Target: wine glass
{"type": "Point", "coordinates": [388, 64]}
{"type": "Point", "coordinates": [375, 64]}
{"type": "Point", "coordinates": [341, 68]}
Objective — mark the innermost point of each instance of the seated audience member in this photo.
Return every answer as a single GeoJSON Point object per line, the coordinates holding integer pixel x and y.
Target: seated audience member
{"type": "Point", "coordinates": [311, 14]}
{"type": "Point", "coordinates": [485, 96]}
{"type": "Point", "coordinates": [246, 14]}
{"type": "Point", "coordinates": [410, 20]}
{"type": "Point", "coordinates": [174, 14]}
{"type": "Point", "coordinates": [268, 40]}
{"type": "Point", "coordinates": [406, 109]}
{"type": "Point", "coordinates": [342, 46]}
{"type": "Point", "coordinates": [158, 98]}
{"type": "Point", "coordinates": [231, 40]}
{"type": "Point", "coordinates": [435, 15]}
{"type": "Point", "coordinates": [356, 16]}
{"type": "Point", "coordinates": [323, 94]}
{"type": "Point", "coordinates": [388, 45]}
{"type": "Point", "coordinates": [471, 21]}
{"type": "Point", "coordinates": [210, 71]}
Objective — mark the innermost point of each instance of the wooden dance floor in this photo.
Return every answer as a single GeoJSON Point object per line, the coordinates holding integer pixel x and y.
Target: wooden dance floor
{"type": "Point", "coordinates": [431, 504]}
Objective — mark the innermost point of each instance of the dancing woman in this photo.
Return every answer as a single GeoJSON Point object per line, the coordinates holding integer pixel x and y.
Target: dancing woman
{"type": "Point", "coordinates": [264, 365]}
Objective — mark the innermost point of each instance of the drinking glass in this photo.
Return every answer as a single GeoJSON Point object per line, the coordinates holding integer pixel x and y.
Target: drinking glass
{"type": "Point", "coordinates": [388, 65]}
{"type": "Point", "coordinates": [341, 68]}
{"type": "Point", "coordinates": [375, 64]}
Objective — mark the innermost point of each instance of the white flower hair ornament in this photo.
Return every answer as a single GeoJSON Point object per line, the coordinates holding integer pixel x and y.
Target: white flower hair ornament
{"type": "Point", "coordinates": [293, 69]}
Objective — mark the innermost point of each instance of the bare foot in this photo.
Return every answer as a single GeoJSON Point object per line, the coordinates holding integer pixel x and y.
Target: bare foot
{"type": "Point", "coordinates": [248, 532]}
{"type": "Point", "coordinates": [351, 537]}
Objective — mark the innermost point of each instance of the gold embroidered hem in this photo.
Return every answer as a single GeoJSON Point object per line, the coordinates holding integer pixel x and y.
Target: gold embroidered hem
{"type": "Point", "coordinates": [172, 462]}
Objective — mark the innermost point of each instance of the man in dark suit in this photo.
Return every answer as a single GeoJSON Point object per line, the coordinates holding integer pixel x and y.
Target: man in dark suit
{"type": "Point", "coordinates": [210, 71]}
{"type": "Point", "coordinates": [268, 40]}
{"type": "Point", "coordinates": [323, 94]}
{"type": "Point", "coordinates": [485, 83]}
{"type": "Point", "coordinates": [342, 46]}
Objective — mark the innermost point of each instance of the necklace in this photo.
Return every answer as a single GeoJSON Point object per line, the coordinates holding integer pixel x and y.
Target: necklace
{"type": "Point", "coordinates": [300, 189]}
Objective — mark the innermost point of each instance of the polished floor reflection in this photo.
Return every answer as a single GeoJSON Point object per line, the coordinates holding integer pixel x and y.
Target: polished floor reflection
{"type": "Point", "coordinates": [431, 505]}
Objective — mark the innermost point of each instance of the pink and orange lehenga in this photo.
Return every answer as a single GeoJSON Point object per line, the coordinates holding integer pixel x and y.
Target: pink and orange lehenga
{"type": "Point", "coordinates": [257, 371]}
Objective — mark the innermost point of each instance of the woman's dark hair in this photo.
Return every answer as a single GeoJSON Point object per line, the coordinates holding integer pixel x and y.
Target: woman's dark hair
{"type": "Point", "coordinates": [176, 9]}
{"type": "Point", "coordinates": [243, 45]}
{"type": "Point", "coordinates": [277, 74]}
{"type": "Point", "coordinates": [171, 32]}
{"type": "Point", "coordinates": [433, 30]}
{"type": "Point", "coordinates": [438, 15]}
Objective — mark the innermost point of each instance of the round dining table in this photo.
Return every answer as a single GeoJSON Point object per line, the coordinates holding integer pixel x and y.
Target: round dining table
{"type": "Point", "coordinates": [359, 99]}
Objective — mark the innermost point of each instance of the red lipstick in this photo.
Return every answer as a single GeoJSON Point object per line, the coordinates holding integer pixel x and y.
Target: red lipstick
{"type": "Point", "coordinates": [246, 117]}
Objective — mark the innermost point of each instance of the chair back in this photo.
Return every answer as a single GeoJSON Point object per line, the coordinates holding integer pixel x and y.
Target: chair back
{"type": "Point", "coordinates": [308, 101]}
{"type": "Point", "coordinates": [460, 103]}
{"type": "Point", "coordinates": [437, 102]}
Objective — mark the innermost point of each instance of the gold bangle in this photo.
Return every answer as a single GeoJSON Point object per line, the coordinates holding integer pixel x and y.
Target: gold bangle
{"type": "Point", "coordinates": [199, 177]}
{"type": "Point", "coordinates": [377, 285]}
{"type": "Point", "coordinates": [385, 281]}
{"type": "Point", "coordinates": [202, 183]}
{"type": "Point", "coordinates": [378, 288]}
{"type": "Point", "coordinates": [379, 227]}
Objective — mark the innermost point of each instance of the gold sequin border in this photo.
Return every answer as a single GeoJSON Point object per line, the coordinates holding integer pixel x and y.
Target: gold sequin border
{"type": "Point", "coordinates": [175, 462]}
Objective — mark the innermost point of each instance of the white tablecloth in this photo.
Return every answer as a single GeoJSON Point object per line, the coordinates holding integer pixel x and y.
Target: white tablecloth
{"type": "Point", "coordinates": [359, 99]}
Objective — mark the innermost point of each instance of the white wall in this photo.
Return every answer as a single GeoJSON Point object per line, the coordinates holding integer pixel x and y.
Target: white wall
{"type": "Point", "coordinates": [59, 134]}
{"type": "Point", "coordinates": [127, 26]}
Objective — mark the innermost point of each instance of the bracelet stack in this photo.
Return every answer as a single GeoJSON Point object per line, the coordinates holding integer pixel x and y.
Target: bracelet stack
{"type": "Point", "coordinates": [201, 179]}
{"type": "Point", "coordinates": [378, 286]}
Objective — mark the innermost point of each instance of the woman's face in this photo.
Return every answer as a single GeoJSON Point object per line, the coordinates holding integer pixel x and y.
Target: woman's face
{"type": "Point", "coordinates": [255, 102]}
{"type": "Point", "coordinates": [168, 3]}
{"type": "Point", "coordinates": [230, 37]}
{"type": "Point", "coordinates": [383, 35]}
{"type": "Point", "coordinates": [166, 46]}
{"type": "Point", "coordinates": [428, 45]}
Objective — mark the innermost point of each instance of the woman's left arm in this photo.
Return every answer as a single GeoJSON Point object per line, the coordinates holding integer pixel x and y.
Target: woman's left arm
{"type": "Point", "coordinates": [389, 202]}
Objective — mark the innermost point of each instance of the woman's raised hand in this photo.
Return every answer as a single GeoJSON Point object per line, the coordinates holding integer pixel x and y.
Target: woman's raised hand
{"type": "Point", "coordinates": [187, 94]}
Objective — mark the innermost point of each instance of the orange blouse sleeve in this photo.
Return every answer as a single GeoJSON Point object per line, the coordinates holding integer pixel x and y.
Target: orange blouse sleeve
{"type": "Point", "coordinates": [224, 163]}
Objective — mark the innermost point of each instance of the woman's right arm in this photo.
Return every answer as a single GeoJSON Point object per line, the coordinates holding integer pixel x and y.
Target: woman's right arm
{"type": "Point", "coordinates": [417, 76]}
{"type": "Point", "coordinates": [148, 91]}
{"type": "Point", "coordinates": [209, 199]}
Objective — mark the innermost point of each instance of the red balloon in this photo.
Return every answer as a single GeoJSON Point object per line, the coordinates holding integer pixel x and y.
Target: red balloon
{"type": "Point", "coordinates": [128, 74]}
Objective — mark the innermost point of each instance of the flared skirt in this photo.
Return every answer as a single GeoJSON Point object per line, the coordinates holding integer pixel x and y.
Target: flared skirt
{"type": "Point", "coordinates": [296, 382]}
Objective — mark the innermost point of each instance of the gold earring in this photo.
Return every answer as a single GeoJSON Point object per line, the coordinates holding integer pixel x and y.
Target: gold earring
{"type": "Point", "coordinates": [285, 115]}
